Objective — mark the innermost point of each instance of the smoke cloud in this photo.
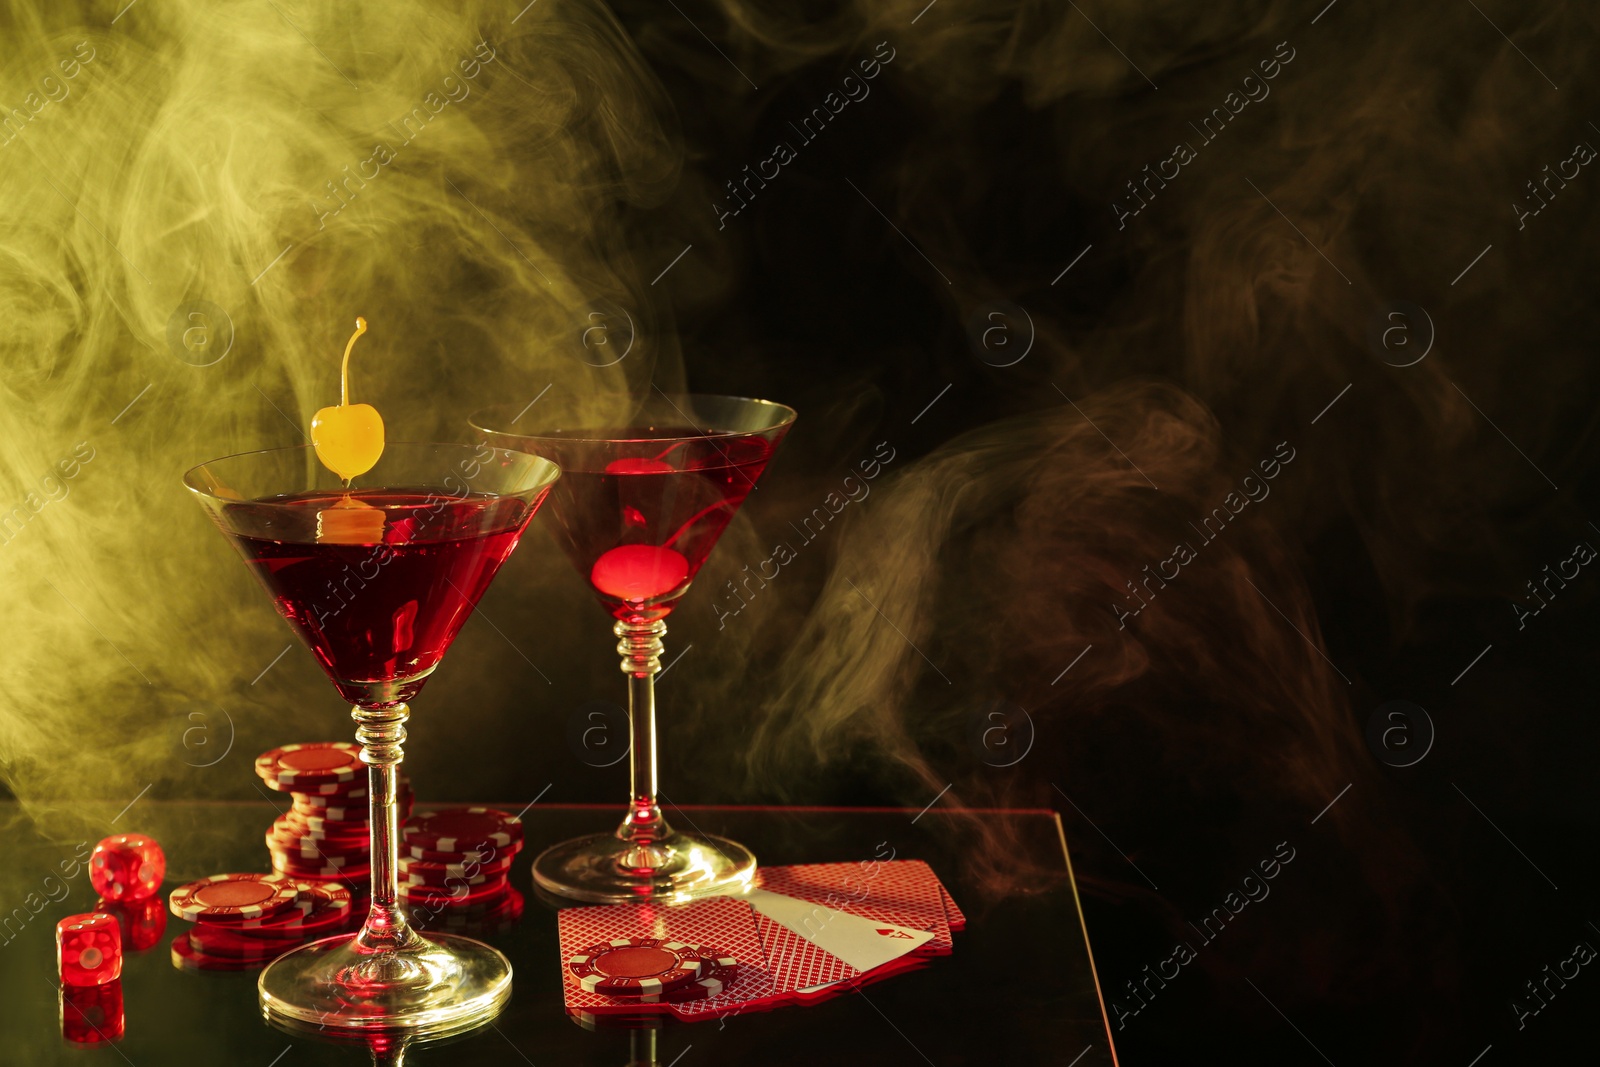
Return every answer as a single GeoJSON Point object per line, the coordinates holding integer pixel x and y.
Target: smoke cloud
{"type": "Point", "coordinates": [197, 201]}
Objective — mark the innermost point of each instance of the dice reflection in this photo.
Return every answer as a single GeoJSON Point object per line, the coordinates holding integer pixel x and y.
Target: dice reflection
{"type": "Point", "coordinates": [92, 1015]}
{"type": "Point", "coordinates": [142, 921]}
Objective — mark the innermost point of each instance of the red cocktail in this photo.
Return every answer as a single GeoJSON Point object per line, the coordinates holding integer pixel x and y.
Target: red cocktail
{"type": "Point", "coordinates": [377, 582]}
{"type": "Point", "coordinates": [639, 508]}
{"type": "Point", "coordinates": [640, 527]}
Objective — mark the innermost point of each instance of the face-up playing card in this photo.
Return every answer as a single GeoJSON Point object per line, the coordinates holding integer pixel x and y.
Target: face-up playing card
{"type": "Point", "coordinates": [724, 923]}
{"type": "Point", "coordinates": [899, 892]}
{"type": "Point", "coordinates": [814, 952]}
{"type": "Point", "coordinates": [862, 943]}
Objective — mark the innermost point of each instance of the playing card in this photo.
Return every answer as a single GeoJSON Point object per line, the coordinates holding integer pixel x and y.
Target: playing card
{"type": "Point", "coordinates": [899, 892]}
{"type": "Point", "coordinates": [861, 943]}
{"type": "Point", "coordinates": [799, 968]}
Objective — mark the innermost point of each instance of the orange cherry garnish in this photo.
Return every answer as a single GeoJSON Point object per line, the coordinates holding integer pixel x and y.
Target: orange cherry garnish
{"type": "Point", "coordinates": [349, 441]}
{"type": "Point", "coordinates": [348, 437]}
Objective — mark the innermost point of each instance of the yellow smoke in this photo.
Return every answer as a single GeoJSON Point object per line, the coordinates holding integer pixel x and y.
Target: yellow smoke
{"type": "Point", "coordinates": [189, 223]}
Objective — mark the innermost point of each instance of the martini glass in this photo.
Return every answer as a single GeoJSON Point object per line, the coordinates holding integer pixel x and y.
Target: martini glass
{"type": "Point", "coordinates": [638, 510]}
{"type": "Point", "coordinates": [377, 580]}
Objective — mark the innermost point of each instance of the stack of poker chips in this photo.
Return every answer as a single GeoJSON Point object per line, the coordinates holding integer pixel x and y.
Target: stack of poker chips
{"type": "Point", "coordinates": [325, 835]}
{"type": "Point", "coordinates": [245, 921]}
{"type": "Point", "coordinates": [653, 970]}
{"type": "Point", "coordinates": [455, 869]}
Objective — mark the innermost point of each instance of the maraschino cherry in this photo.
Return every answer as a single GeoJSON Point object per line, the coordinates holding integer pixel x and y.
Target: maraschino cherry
{"type": "Point", "coordinates": [348, 437]}
{"type": "Point", "coordinates": [349, 441]}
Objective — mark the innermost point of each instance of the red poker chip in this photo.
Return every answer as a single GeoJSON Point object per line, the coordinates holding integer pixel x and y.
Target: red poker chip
{"type": "Point", "coordinates": [356, 882]}
{"type": "Point", "coordinates": [322, 906]}
{"type": "Point", "coordinates": [496, 864]}
{"type": "Point", "coordinates": [185, 956]}
{"type": "Point", "coordinates": [295, 865]}
{"type": "Point", "coordinates": [296, 868]}
{"type": "Point", "coordinates": [348, 819]}
{"type": "Point", "coordinates": [729, 964]}
{"type": "Point", "coordinates": [299, 908]}
{"type": "Point", "coordinates": [348, 808]}
{"type": "Point", "coordinates": [304, 903]}
{"type": "Point", "coordinates": [319, 852]}
{"type": "Point", "coordinates": [317, 823]}
{"type": "Point", "coordinates": [353, 802]}
{"type": "Point", "coordinates": [424, 872]}
{"type": "Point", "coordinates": [461, 830]}
{"type": "Point", "coordinates": [342, 793]}
{"type": "Point", "coordinates": [449, 882]}
{"type": "Point", "coordinates": [353, 876]}
{"type": "Point", "coordinates": [335, 822]}
{"type": "Point", "coordinates": [311, 765]}
{"type": "Point", "coordinates": [226, 897]}
{"type": "Point", "coordinates": [291, 828]}
{"type": "Point", "coordinates": [716, 975]}
{"type": "Point", "coordinates": [333, 905]}
{"type": "Point", "coordinates": [635, 966]}
{"type": "Point", "coordinates": [349, 876]}
{"type": "Point", "coordinates": [487, 854]}
{"type": "Point", "coordinates": [321, 818]}
{"type": "Point", "coordinates": [268, 943]}
{"type": "Point", "coordinates": [434, 897]}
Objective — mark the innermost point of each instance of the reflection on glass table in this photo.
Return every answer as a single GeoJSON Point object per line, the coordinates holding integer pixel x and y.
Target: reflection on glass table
{"type": "Point", "coordinates": [986, 1003]}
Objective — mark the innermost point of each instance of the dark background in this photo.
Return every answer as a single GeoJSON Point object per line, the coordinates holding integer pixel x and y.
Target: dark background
{"type": "Point", "coordinates": [943, 269]}
{"type": "Point", "coordinates": [1397, 141]}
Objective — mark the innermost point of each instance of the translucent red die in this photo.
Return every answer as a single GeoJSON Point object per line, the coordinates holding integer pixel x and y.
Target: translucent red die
{"type": "Point", "coordinates": [92, 1015]}
{"type": "Point", "coordinates": [127, 867]}
{"type": "Point", "coordinates": [88, 949]}
{"type": "Point", "coordinates": [142, 921]}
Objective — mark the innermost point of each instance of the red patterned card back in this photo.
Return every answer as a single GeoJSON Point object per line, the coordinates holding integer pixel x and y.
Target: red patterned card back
{"type": "Point", "coordinates": [958, 921]}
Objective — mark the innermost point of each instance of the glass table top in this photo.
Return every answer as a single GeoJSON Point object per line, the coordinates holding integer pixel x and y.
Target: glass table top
{"type": "Point", "coordinates": [1019, 988]}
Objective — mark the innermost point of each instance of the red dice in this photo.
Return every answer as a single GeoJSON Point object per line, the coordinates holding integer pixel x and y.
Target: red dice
{"type": "Point", "coordinates": [92, 1015]}
{"type": "Point", "coordinates": [127, 867]}
{"type": "Point", "coordinates": [142, 921]}
{"type": "Point", "coordinates": [88, 949]}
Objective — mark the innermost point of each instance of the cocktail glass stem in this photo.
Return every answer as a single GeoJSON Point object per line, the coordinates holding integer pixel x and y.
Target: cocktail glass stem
{"type": "Point", "coordinates": [381, 732]}
{"type": "Point", "coordinates": [639, 645]}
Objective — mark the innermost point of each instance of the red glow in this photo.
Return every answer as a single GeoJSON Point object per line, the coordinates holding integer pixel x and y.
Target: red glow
{"type": "Point", "coordinates": [639, 572]}
{"type": "Point", "coordinates": [638, 465]}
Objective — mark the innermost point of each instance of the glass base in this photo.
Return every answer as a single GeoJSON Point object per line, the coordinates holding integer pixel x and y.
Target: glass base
{"type": "Point", "coordinates": [444, 984]}
{"type": "Point", "coordinates": [605, 869]}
